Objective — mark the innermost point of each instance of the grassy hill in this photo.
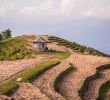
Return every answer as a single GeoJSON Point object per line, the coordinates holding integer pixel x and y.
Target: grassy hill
{"type": "Point", "coordinates": [15, 48]}
{"type": "Point", "coordinates": [76, 47]}
{"type": "Point", "coordinates": [21, 47]}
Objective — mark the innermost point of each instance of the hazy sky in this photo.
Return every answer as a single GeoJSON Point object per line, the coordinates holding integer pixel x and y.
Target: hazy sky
{"type": "Point", "coordinates": [84, 21]}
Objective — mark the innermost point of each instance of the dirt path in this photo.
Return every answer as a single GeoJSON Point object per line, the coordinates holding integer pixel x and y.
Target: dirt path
{"type": "Point", "coordinates": [46, 80]}
{"type": "Point", "coordinates": [9, 68]}
{"type": "Point", "coordinates": [86, 65]}
{"type": "Point", "coordinates": [29, 92]}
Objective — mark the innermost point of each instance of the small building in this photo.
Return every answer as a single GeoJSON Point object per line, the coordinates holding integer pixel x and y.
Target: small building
{"type": "Point", "coordinates": [41, 44]}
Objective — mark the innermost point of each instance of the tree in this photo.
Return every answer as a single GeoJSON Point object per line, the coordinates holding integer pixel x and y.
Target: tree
{"type": "Point", "coordinates": [6, 34]}
{"type": "Point", "coordinates": [1, 37]}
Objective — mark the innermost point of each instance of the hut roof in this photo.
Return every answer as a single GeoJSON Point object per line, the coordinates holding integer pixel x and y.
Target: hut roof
{"type": "Point", "coordinates": [40, 40]}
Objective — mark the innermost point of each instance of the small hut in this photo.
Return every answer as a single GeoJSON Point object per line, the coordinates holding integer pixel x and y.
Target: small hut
{"type": "Point", "coordinates": [41, 44]}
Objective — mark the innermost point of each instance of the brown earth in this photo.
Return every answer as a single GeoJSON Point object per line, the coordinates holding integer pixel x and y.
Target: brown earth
{"type": "Point", "coordinates": [10, 68]}
{"type": "Point", "coordinates": [27, 91]}
{"type": "Point", "coordinates": [92, 93]}
{"type": "Point", "coordinates": [46, 80]}
{"type": "Point", "coordinates": [86, 66]}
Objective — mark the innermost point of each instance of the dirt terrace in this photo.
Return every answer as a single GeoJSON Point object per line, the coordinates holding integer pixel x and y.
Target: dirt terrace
{"type": "Point", "coordinates": [2, 97]}
{"type": "Point", "coordinates": [9, 68]}
{"type": "Point", "coordinates": [86, 66]}
{"type": "Point", "coordinates": [92, 93]}
{"type": "Point", "coordinates": [54, 46]}
{"type": "Point", "coordinates": [29, 92]}
{"type": "Point", "coordinates": [46, 80]}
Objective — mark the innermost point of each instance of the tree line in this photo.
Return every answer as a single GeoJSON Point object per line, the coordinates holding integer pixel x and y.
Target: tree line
{"type": "Point", "coordinates": [5, 34]}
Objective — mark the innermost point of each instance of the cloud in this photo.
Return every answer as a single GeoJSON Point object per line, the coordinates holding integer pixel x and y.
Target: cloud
{"type": "Point", "coordinates": [71, 9]}
{"type": "Point", "coordinates": [66, 7]}
{"type": "Point", "coordinates": [100, 13]}
{"type": "Point", "coordinates": [44, 9]}
{"type": "Point", "coordinates": [6, 9]}
{"type": "Point", "coordinates": [27, 11]}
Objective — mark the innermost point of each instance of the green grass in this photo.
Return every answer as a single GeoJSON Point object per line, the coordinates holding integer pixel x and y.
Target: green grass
{"type": "Point", "coordinates": [103, 89]}
{"type": "Point", "coordinates": [13, 49]}
{"type": "Point", "coordinates": [26, 75]}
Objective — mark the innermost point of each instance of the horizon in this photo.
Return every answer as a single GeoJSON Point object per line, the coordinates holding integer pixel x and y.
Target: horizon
{"type": "Point", "coordinates": [85, 22]}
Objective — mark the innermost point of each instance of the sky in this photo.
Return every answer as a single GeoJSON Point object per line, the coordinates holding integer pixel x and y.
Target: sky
{"type": "Point", "coordinates": [84, 21]}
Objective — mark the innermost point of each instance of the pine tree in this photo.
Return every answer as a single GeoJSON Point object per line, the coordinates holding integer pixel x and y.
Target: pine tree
{"type": "Point", "coordinates": [6, 34]}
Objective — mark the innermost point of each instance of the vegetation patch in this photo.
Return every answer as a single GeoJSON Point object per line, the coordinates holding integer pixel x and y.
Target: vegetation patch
{"type": "Point", "coordinates": [11, 83]}
{"type": "Point", "coordinates": [103, 89]}
{"type": "Point", "coordinates": [14, 49]}
{"type": "Point", "coordinates": [61, 76]}
{"type": "Point", "coordinates": [89, 79]}
{"type": "Point", "coordinates": [103, 67]}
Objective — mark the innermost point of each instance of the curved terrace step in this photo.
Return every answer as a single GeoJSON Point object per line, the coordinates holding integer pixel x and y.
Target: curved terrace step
{"type": "Point", "coordinates": [45, 82]}
{"type": "Point", "coordinates": [86, 66]}
{"type": "Point", "coordinates": [27, 90]}
{"type": "Point", "coordinates": [10, 68]}
{"type": "Point", "coordinates": [92, 93]}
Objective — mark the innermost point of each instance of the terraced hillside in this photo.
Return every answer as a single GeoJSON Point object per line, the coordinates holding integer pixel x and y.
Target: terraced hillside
{"type": "Point", "coordinates": [76, 47]}
{"type": "Point", "coordinates": [70, 73]}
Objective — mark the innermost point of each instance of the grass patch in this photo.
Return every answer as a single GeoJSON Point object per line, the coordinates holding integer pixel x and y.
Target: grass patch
{"type": "Point", "coordinates": [26, 75]}
{"type": "Point", "coordinates": [14, 49]}
{"type": "Point", "coordinates": [89, 79]}
{"type": "Point", "coordinates": [103, 89]}
{"type": "Point", "coordinates": [61, 76]}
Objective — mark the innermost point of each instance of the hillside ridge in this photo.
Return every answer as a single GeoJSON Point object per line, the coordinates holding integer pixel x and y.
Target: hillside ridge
{"type": "Point", "coordinates": [77, 47]}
